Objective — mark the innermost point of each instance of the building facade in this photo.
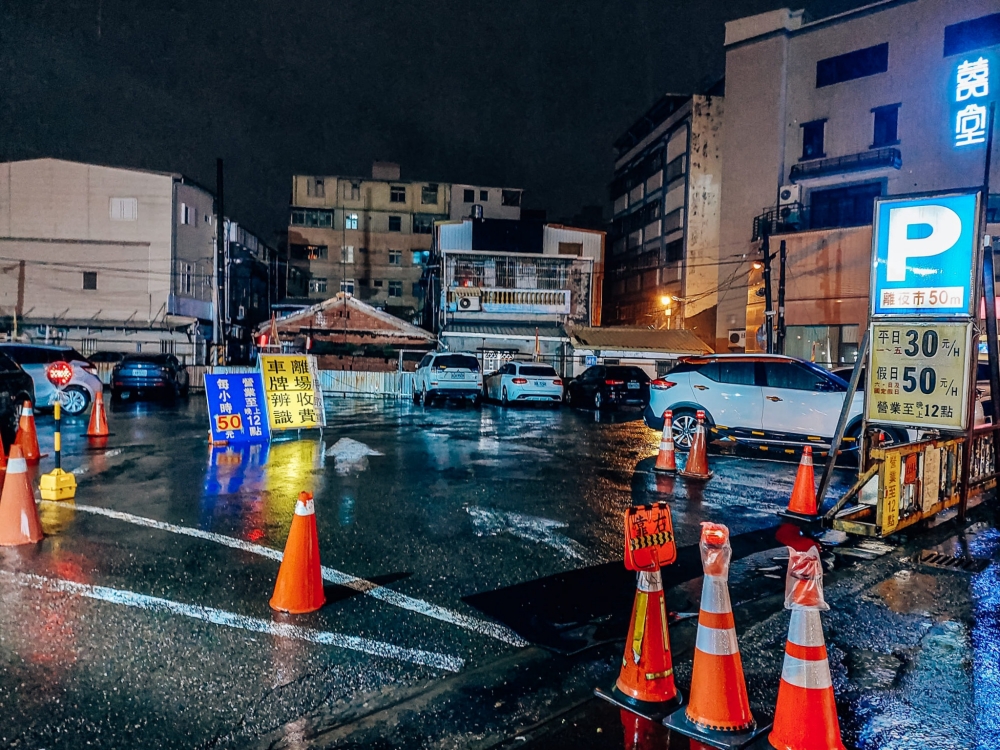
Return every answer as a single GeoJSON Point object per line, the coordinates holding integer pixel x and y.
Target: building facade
{"type": "Point", "coordinates": [664, 240]}
{"type": "Point", "coordinates": [821, 118]}
{"type": "Point", "coordinates": [468, 201]}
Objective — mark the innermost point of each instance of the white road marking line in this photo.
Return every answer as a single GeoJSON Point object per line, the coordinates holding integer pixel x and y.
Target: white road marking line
{"type": "Point", "coordinates": [233, 620]}
{"type": "Point", "coordinates": [483, 627]}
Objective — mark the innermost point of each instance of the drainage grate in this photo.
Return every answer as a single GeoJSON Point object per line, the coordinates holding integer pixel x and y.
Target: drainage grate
{"type": "Point", "coordinates": [951, 562]}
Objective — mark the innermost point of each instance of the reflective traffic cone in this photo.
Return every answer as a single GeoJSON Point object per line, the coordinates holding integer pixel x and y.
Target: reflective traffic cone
{"type": "Point", "coordinates": [806, 714]}
{"type": "Point", "coordinates": [26, 437]}
{"type": "Point", "coordinates": [98, 426]}
{"type": "Point", "coordinates": [646, 681]}
{"type": "Point", "coordinates": [803, 500]}
{"type": "Point", "coordinates": [718, 708]}
{"type": "Point", "coordinates": [299, 588]}
{"type": "Point", "coordinates": [665, 460]}
{"type": "Point", "coordinates": [19, 523]}
{"type": "Point", "coordinates": [697, 461]}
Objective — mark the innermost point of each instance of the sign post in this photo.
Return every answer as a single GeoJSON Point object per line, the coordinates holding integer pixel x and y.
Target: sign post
{"type": "Point", "coordinates": [58, 484]}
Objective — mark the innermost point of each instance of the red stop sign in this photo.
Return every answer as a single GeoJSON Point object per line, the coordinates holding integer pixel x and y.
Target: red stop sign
{"type": "Point", "coordinates": [59, 373]}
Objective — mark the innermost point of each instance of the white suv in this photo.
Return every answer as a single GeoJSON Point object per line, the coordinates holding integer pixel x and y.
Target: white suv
{"type": "Point", "coordinates": [448, 375]}
{"type": "Point", "coordinates": [757, 399]}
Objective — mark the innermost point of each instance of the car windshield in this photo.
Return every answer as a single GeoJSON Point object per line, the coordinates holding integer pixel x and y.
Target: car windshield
{"type": "Point", "coordinates": [626, 373]}
{"type": "Point", "coordinates": [538, 371]}
{"type": "Point", "coordinates": [457, 361]}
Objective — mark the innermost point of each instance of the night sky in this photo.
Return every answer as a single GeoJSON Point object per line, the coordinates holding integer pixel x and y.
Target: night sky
{"type": "Point", "coordinates": [519, 93]}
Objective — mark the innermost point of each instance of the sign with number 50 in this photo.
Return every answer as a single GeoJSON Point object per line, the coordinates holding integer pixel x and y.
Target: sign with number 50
{"type": "Point", "coordinates": [229, 422]}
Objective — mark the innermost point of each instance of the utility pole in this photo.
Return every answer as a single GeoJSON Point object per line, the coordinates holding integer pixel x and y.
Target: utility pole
{"type": "Point", "coordinates": [768, 310]}
{"type": "Point", "coordinates": [218, 331]}
{"type": "Point", "coordinates": [781, 298]}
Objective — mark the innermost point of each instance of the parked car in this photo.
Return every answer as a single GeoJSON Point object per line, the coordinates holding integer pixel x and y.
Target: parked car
{"type": "Point", "coordinates": [16, 387]}
{"type": "Point", "coordinates": [35, 359]}
{"type": "Point", "coordinates": [448, 375]}
{"type": "Point", "coordinates": [159, 375]}
{"type": "Point", "coordinates": [522, 382]}
{"type": "Point", "coordinates": [757, 399]}
{"type": "Point", "coordinates": [603, 386]}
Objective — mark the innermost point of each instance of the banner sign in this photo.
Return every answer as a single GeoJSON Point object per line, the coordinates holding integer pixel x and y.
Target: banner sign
{"type": "Point", "coordinates": [924, 256]}
{"type": "Point", "coordinates": [294, 398]}
{"type": "Point", "coordinates": [918, 374]}
{"type": "Point", "coordinates": [236, 408]}
{"type": "Point", "coordinates": [649, 537]}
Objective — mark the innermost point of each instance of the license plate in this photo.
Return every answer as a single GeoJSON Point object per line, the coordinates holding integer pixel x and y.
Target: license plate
{"type": "Point", "coordinates": [541, 383]}
{"type": "Point", "coordinates": [633, 386]}
{"type": "Point", "coordinates": [457, 376]}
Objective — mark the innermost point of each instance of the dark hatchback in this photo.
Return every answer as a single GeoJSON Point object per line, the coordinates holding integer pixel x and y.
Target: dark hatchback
{"type": "Point", "coordinates": [158, 375]}
{"type": "Point", "coordinates": [603, 386]}
{"type": "Point", "coordinates": [16, 387]}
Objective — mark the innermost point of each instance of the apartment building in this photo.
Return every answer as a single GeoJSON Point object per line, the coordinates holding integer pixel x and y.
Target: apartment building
{"type": "Point", "coordinates": [664, 241]}
{"type": "Point", "coordinates": [476, 201]}
{"type": "Point", "coordinates": [821, 118]}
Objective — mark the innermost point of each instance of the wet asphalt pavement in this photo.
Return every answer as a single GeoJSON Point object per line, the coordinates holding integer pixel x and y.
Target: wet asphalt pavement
{"type": "Point", "coordinates": [475, 590]}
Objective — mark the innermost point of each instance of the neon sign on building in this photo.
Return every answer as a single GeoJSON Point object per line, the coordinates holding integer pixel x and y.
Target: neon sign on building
{"type": "Point", "coordinates": [972, 94]}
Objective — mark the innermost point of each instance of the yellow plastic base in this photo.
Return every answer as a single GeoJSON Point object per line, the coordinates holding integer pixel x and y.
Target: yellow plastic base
{"type": "Point", "coordinates": [57, 485]}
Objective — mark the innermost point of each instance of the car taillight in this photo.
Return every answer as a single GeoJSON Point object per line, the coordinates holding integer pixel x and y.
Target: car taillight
{"type": "Point", "coordinates": [614, 382]}
{"type": "Point", "coordinates": [519, 381]}
{"type": "Point", "coordinates": [661, 385]}
{"type": "Point", "coordinates": [557, 381]}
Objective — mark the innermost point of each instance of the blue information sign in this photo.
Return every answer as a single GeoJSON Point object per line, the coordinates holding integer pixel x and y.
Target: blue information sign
{"type": "Point", "coordinates": [590, 360]}
{"type": "Point", "coordinates": [924, 255]}
{"type": "Point", "coordinates": [237, 408]}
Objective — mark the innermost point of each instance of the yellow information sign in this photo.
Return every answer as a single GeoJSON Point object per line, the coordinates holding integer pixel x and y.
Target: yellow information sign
{"type": "Point", "coordinates": [918, 374]}
{"type": "Point", "coordinates": [294, 399]}
{"type": "Point", "coordinates": [890, 497]}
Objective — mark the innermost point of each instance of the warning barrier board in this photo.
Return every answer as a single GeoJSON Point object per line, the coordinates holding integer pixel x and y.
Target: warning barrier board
{"type": "Point", "coordinates": [649, 537]}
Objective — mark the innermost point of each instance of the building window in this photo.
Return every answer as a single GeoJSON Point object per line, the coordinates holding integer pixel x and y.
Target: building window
{"type": "Point", "coordinates": [347, 285]}
{"type": "Point", "coordinates": [351, 222]}
{"type": "Point", "coordinates": [395, 257]}
{"type": "Point", "coordinates": [858, 64]}
{"type": "Point", "coordinates": [423, 224]}
{"type": "Point", "coordinates": [395, 224]}
{"type": "Point", "coordinates": [304, 218]}
{"type": "Point", "coordinates": [885, 129]}
{"type": "Point", "coordinates": [187, 272]}
{"type": "Point", "coordinates": [673, 251]}
{"type": "Point", "coordinates": [352, 191]}
{"type": "Point", "coordinates": [484, 196]}
{"type": "Point", "coordinates": [124, 209]}
{"type": "Point", "coordinates": [812, 139]}
{"type": "Point", "coordinates": [308, 252]}
{"type": "Point", "coordinates": [510, 198]}
{"type": "Point", "coordinates": [187, 215]}
{"type": "Point", "coordinates": [377, 283]}
{"type": "Point", "coordinates": [395, 288]}
{"type": "Point", "coordinates": [851, 206]}
{"type": "Point", "coordinates": [979, 33]}
{"type": "Point", "coordinates": [674, 170]}
{"type": "Point", "coordinates": [571, 248]}
{"type": "Point", "coordinates": [317, 286]}
{"type": "Point", "coordinates": [420, 257]}
{"type": "Point", "coordinates": [397, 194]}
{"type": "Point", "coordinates": [347, 254]}
{"type": "Point", "coordinates": [315, 187]}
{"type": "Point", "coordinates": [429, 194]}
{"type": "Point", "coordinates": [832, 346]}
{"type": "Point", "coordinates": [468, 196]}
{"type": "Point", "coordinates": [90, 280]}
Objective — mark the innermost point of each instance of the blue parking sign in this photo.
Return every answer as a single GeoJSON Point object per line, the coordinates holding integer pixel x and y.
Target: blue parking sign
{"type": "Point", "coordinates": [237, 408]}
{"type": "Point", "coordinates": [924, 255]}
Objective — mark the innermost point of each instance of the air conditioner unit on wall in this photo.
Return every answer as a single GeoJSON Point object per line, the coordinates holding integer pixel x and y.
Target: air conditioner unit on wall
{"type": "Point", "coordinates": [790, 204]}
{"type": "Point", "coordinates": [789, 194]}
{"type": "Point", "coordinates": [738, 337]}
{"type": "Point", "coordinates": [469, 304]}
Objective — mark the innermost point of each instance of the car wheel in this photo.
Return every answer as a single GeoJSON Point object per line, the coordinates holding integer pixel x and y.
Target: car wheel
{"type": "Point", "coordinates": [568, 397]}
{"type": "Point", "coordinates": [425, 398]}
{"type": "Point", "coordinates": [503, 397]}
{"type": "Point", "coordinates": [598, 401]}
{"type": "Point", "coordinates": [75, 400]}
{"type": "Point", "coordinates": [683, 427]}
{"type": "Point", "coordinates": [416, 396]}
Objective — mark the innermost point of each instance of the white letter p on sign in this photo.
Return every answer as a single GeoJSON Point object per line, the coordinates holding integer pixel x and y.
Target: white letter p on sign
{"type": "Point", "coordinates": [945, 228]}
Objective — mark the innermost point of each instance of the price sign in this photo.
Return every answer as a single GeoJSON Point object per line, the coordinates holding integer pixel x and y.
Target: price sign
{"type": "Point", "coordinates": [291, 385]}
{"type": "Point", "coordinates": [918, 374]}
{"type": "Point", "coordinates": [237, 408]}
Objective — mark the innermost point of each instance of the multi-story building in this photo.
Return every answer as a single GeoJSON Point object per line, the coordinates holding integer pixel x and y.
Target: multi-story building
{"type": "Point", "coordinates": [821, 118]}
{"type": "Point", "coordinates": [664, 242]}
{"type": "Point", "coordinates": [117, 258]}
{"type": "Point", "coordinates": [469, 201]}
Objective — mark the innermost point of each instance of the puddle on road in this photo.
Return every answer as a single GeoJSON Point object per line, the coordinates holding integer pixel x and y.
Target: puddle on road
{"type": "Point", "coordinates": [910, 592]}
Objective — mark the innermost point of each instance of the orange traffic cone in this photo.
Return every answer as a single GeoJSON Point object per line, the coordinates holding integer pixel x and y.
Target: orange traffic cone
{"type": "Point", "coordinates": [646, 682]}
{"type": "Point", "coordinates": [806, 714]}
{"type": "Point", "coordinates": [665, 460]}
{"type": "Point", "coordinates": [3, 458]}
{"type": "Point", "coordinates": [98, 426]}
{"type": "Point", "coordinates": [697, 462]}
{"type": "Point", "coordinates": [19, 522]}
{"type": "Point", "coordinates": [718, 708]}
{"type": "Point", "coordinates": [299, 588]}
{"type": "Point", "coordinates": [803, 500]}
{"type": "Point", "coordinates": [26, 437]}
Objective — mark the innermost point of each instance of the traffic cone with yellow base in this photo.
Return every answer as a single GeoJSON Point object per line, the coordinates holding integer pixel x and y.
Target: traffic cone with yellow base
{"type": "Point", "coordinates": [806, 714]}
{"type": "Point", "coordinates": [697, 461]}
{"type": "Point", "coordinates": [718, 710]}
{"type": "Point", "coordinates": [19, 522]}
{"type": "Point", "coordinates": [666, 461]}
{"type": "Point", "coordinates": [645, 683]}
{"type": "Point", "coordinates": [27, 437]}
{"type": "Point", "coordinates": [299, 588]}
{"type": "Point", "coordinates": [98, 427]}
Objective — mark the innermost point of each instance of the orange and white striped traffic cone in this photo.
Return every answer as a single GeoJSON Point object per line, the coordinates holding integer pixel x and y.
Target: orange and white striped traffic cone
{"type": "Point", "coordinates": [19, 522]}
{"type": "Point", "coordinates": [666, 461]}
{"type": "Point", "coordinates": [299, 588]}
{"type": "Point", "coordinates": [27, 437]}
{"type": "Point", "coordinates": [803, 499]}
{"type": "Point", "coordinates": [697, 460]}
{"type": "Point", "coordinates": [718, 707]}
{"type": "Point", "coordinates": [806, 714]}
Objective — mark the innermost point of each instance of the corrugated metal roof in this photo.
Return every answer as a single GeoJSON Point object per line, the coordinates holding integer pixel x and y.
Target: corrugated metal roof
{"type": "Point", "coordinates": [625, 338]}
{"type": "Point", "coordinates": [506, 329]}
